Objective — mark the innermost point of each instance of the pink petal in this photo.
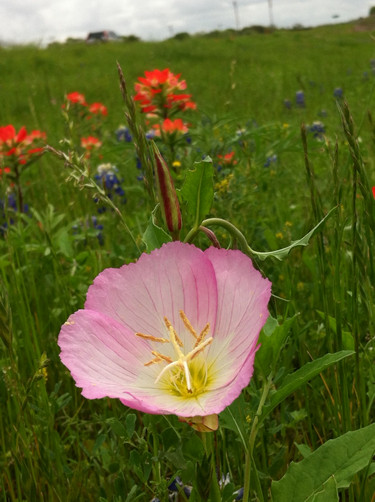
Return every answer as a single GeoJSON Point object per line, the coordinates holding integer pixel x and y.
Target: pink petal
{"type": "Point", "coordinates": [243, 296]}
{"type": "Point", "coordinates": [175, 277]}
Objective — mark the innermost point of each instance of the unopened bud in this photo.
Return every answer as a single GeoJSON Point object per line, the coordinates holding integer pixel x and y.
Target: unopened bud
{"type": "Point", "coordinates": [169, 204]}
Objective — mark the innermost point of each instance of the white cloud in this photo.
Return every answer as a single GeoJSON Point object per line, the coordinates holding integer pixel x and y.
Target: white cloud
{"type": "Point", "coordinates": [45, 20]}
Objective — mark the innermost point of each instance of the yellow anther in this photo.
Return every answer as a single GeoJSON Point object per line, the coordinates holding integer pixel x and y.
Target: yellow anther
{"type": "Point", "coordinates": [202, 334]}
{"type": "Point", "coordinates": [152, 338]}
{"type": "Point", "coordinates": [187, 324]}
{"type": "Point", "coordinates": [161, 356]}
{"type": "Point", "coordinates": [199, 348]}
{"type": "Point", "coordinates": [175, 342]}
{"type": "Point", "coordinates": [153, 361]}
{"type": "Point", "coordinates": [169, 326]}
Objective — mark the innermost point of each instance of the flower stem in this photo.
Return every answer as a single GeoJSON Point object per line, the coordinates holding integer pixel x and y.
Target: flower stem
{"type": "Point", "coordinates": [249, 452]}
{"type": "Point", "coordinates": [208, 443]}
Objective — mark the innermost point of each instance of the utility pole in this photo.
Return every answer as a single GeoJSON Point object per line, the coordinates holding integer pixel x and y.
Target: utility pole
{"type": "Point", "coordinates": [270, 13]}
{"type": "Point", "coordinates": [236, 17]}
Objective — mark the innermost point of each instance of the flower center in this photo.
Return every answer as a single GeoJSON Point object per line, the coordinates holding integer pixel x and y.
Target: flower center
{"type": "Point", "coordinates": [186, 375]}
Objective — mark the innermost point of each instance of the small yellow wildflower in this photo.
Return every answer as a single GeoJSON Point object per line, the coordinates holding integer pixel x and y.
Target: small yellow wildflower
{"type": "Point", "coordinates": [176, 163]}
{"type": "Point", "coordinates": [279, 235]}
{"type": "Point", "coordinates": [223, 185]}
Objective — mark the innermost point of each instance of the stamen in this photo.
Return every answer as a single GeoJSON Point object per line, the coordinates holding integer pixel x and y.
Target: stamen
{"type": "Point", "coordinates": [166, 368]}
{"type": "Point", "coordinates": [187, 376]}
{"type": "Point", "coordinates": [200, 347]}
{"type": "Point", "coordinates": [161, 356]}
{"type": "Point", "coordinates": [181, 379]}
{"type": "Point", "coordinates": [152, 338]}
{"type": "Point", "coordinates": [203, 333]}
{"type": "Point", "coordinates": [187, 324]}
{"type": "Point", "coordinates": [153, 361]}
{"type": "Point", "coordinates": [174, 340]}
{"type": "Point", "coordinates": [169, 326]}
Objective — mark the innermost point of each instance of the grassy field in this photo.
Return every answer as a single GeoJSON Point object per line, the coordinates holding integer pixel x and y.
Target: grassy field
{"type": "Point", "coordinates": [314, 377]}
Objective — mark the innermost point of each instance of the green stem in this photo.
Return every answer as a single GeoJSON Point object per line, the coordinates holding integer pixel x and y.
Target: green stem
{"type": "Point", "coordinates": [156, 465]}
{"type": "Point", "coordinates": [207, 439]}
{"type": "Point", "coordinates": [249, 452]}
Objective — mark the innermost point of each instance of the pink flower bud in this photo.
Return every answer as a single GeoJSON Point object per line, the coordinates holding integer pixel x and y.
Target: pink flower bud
{"type": "Point", "coordinates": [169, 204]}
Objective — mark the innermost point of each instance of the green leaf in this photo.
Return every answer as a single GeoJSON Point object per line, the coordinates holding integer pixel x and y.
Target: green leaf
{"type": "Point", "coordinates": [64, 242]}
{"type": "Point", "coordinates": [117, 427]}
{"type": "Point", "coordinates": [198, 190]}
{"type": "Point", "coordinates": [271, 339]}
{"type": "Point", "coordinates": [233, 418]}
{"type": "Point", "coordinates": [295, 380]}
{"type": "Point", "coordinates": [328, 493]}
{"type": "Point", "coordinates": [347, 337]}
{"type": "Point", "coordinates": [130, 420]}
{"type": "Point", "coordinates": [342, 458]}
{"type": "Point", "coordinates": [282, 253]}
{"type": "Point", "coordinates": [154, 237]}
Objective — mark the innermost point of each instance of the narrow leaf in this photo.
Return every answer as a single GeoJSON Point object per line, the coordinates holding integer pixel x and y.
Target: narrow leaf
{"type": "Point", "coordinates": [283, 252]}
{"type": "Point", "coordinates": [272, 338]}
{"type": "Point", "coordinates": [298, 378]}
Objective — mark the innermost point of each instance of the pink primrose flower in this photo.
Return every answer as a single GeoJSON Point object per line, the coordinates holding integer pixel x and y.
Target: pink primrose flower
{"type": "Point", "coordinates": [174, 333]}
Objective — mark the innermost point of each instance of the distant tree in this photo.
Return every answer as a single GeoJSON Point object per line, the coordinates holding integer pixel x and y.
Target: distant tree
{"type": "Point", "coordinates": [372, 11]}
{"type": "Point", "coordinates": [183, 35]}
{"type": "Point", "coordinates": [130, 38]}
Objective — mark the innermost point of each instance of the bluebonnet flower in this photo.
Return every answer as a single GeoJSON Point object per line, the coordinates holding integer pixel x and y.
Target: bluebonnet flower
{"type": "Point", "coordinates": [270, 160]}
{"type": "Point", "coordinates": [287, 104]}
{"type": "Point", "coordinates": [317, 129]}
{"type": "Point", "coordinates": [151, 134]}
{"type": "Point", "coordinates": [84, 229]}
{"type": "Point", "coordinates": [8, 207]}
{"type": "Point", "coordinates": [123, 134]}
{"type": "Point", "coordinates": [141, 176]}
{"type": "Point", "coordinates": [300, 99]}
{"type": "Point", "coordinates": [338, 93]}
{"type": "Point", "coordinates": [239, 494]}
{"type": "Point", "coordinates": [107, 177]}
{"type": "Point", "coordinates": [99, 227]}
{"type": "Point", "coordinates": [177, 484]}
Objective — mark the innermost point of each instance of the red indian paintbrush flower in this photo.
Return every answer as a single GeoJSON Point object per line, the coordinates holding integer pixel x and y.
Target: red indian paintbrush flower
{"type": "Point", "coordinates": [169, 126]}
{"type": "Point", "coordinates": [77, 97]}
{"type": "Point", "coordinates": [90, 142]}
{"type": "Point", "coordinates": [98, 109]}
{"type": "Point", "coordinates": [15, 146]}
{"type": "Point", "coordinates": [227, 159]}
{"type": "Point", "coordinates": [158, 93]}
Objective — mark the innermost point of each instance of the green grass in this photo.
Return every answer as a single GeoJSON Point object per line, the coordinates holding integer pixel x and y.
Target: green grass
{"type": "Point", "coordinates": [56, 445]}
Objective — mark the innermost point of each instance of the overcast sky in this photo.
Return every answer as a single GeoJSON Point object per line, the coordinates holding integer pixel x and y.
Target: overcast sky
{"type": "Point", "coordinates": [43, 21]}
